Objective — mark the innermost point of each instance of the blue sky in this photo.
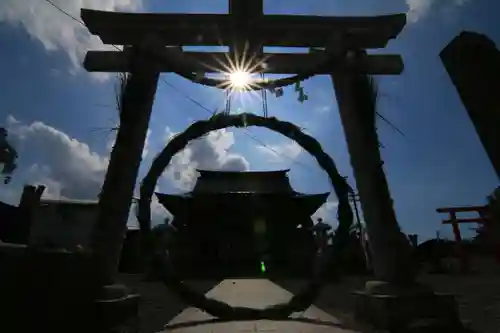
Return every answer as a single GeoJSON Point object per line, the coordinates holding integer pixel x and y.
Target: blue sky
{"type": "Point", "coordinates": [57, 113]}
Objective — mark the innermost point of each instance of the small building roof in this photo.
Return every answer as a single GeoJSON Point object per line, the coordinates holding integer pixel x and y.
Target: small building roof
{"type": "Point", "coordinates": [247, 188]}
{"type": "Point", "coordinates": [67, 202]}
{"type": "Point", "coordinates": [179, 204]}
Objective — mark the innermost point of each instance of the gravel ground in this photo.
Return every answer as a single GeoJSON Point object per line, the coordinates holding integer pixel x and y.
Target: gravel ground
{"type": "Point", "coordinates": [159, 306]}
{"type": "Point", "coordinates": [478, 297]}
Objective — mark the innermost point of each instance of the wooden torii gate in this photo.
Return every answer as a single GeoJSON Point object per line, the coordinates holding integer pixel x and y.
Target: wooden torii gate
{"type": "Point", "coordinates": [485, 217]}
{"type": "Point", "coordinates": [246, 25]}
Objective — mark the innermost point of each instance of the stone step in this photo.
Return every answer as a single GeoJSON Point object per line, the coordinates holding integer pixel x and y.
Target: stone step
{"type": "Point", "coordinates": [256, 293]}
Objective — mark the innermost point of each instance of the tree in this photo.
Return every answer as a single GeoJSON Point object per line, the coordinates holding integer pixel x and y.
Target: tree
{"type": "Point", "coordinates": [353, 258]}
{"type": "Point", "coordinates": [8, 156]}
{"type": "Point", "coordinates": [161, 239]}
{"type": "Point", "coordinates": [488, 233]}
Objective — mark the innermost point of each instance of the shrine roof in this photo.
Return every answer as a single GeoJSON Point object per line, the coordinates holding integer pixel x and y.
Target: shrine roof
{"type": "Point", "coordinates": [242, 181]}
{"type": "Point", "coordinates": [246, 174]}
{"type": "Point", "coordinates": [68, 202]}
{"type": "Point", "coordinates": [177, 204]}
{"type": "Point", "coordinates": [193, 195]}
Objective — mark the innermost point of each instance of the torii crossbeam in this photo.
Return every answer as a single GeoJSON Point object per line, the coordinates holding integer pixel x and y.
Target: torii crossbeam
{"type": "Point", "coordinates": [245, 22]}
{"type": "Point", "coordinates": [224, 29]}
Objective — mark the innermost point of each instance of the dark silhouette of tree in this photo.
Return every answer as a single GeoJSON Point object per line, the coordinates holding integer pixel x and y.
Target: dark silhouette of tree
{"type": "Point", "coordinates": [352, 259]}
{"type": "Point", "coordinates": [487, 235]}
{"type": "Point", "coordinates": [8, 156]}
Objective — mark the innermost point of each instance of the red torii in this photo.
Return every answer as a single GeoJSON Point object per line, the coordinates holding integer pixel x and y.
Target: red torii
{"type": "Point", "coordinates": [484, 217]}
{"type": "Point", "coordinates": [482, 211]}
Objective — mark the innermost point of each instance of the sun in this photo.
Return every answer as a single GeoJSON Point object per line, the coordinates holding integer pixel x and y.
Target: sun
{"type": "Point", "coordinates": [239, 79]}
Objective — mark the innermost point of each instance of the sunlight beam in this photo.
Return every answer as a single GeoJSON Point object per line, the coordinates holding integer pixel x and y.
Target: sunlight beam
{"type": "Point", "coordinates": [239, 79]}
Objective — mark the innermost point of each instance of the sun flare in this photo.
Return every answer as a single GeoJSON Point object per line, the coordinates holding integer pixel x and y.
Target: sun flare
{"type": "Point", "coordinates": [239, 79]}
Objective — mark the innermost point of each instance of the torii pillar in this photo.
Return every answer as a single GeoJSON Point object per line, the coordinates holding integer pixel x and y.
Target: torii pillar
{"type": "Point", "coordinates": [394, 300]}
{"type": "Point", "coordinates": [117, 191]}
{"type": "Point", "coordinates": [381, 223]}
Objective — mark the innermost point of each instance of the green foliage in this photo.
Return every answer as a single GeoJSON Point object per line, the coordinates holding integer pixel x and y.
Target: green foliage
{"type": "Point", "coordinates": [278, 92]}
{"type": "Point", "coordinates": [8, 156]}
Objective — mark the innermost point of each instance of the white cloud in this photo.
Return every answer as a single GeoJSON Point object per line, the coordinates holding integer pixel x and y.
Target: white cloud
{"type": "Point", "coordinates": [158, 212]}
{"type": "Point", "coordinates": [322, 109]}
{"type": "Point", "coordinates": [281, 153]}
{"type": "Point", "coordinates": [419, 8]}
{"type": "Point", "coordinates": [70, 169]}
{"type": "Point", "coordinates": [210, 152]}
{"type": "Point", "coordinates": [67, 167]}
{"type": "Point", "coordinates": [289, 152]}
{"type": "Point", "coordinates": [112, 138]}
{"type": "Point", "coordinates": [10, 195]}
{"type": "Point", "coordinates": [328, 211]}
{"type": "Point", "coordinates": [56, 31]}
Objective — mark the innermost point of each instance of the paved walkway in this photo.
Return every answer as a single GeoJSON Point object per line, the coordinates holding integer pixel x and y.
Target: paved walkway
{"type": "Point", "coordinates": [256, 293]}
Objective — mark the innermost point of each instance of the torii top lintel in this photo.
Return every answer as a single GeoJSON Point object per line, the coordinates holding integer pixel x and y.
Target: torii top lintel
{"type": "Point", "coordinates": [245, 20]}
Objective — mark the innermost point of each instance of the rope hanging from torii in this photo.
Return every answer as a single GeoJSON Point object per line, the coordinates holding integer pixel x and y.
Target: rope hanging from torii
{"type": "Point", "coordinates": [263, 84]}
{"type": "Point", "coordinates": [263, 93]}
{"type": "Point", "coordinates": [298, 302]}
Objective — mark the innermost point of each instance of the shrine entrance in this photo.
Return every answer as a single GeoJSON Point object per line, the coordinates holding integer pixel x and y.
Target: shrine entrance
{"type": "Point", "coordinates": [249, 223]}
{"type": "Point", "coordinates": [217, 245]}
{"type": "Point", "coordinates": [281, 196]}
{"type": "Point", "coordinates": [238, 253]}
{"type": "Point", "coordinates": [153, 43]}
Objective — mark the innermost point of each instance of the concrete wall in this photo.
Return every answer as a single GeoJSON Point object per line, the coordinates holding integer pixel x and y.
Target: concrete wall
{"type": "Point", "coordinates": [14, 227]}
{"type": "Point", "coordinates": [63, 224]}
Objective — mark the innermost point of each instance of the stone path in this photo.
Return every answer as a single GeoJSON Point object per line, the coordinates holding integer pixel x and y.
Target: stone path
{"type": "Point", "coordinates": [257, 293]}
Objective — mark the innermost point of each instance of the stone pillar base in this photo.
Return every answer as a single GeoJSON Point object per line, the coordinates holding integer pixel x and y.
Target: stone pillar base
{"type": "Point", "coordinates": [397, 309]}
{"type": "Point", "coordinates": [116, 308]}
